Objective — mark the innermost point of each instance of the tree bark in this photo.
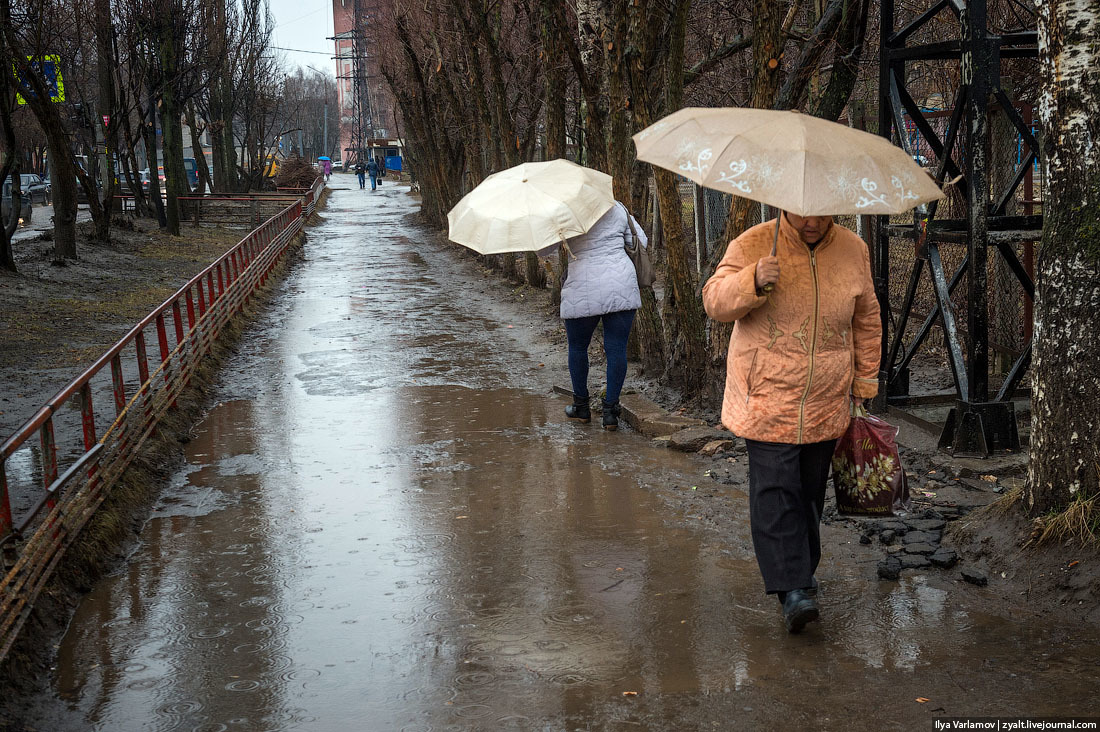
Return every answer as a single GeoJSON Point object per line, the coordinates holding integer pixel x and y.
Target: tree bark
{"type": "Point", "coordinates": [685, 321]}
{"type": "Point", "coordinates": [1065, 407]}
{"type": "Point", "coordinates": [644, 37]}
{"type": "Point", "coordinates": [104, 34]}
{"type": "Point", "coordinates": [849, 50]}
{"type": "Point", "coordinates": [205, 182]}
{"type": "Point", "coordinates": [63, 169]}
{"type": "Point", "coordinates": [767, 43]}
{"type": "Point", "coordinates": [9, 167]}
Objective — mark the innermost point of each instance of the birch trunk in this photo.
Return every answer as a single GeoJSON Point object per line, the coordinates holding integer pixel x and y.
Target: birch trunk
{"type": "Point", "coordinates": [1065, 403]}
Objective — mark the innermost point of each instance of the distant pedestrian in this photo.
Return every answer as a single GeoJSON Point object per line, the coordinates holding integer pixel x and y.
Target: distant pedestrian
{"type": "Point", "coordinates": [361, 171]}
{"type": "Point", "coordinates": [601, 284]}
{"type": "Point", "coordinates": [372, 169]}
{"type": "Point", "coordinates": [326, 168]}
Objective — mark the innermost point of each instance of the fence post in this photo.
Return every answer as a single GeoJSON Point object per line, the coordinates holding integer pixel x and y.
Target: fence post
{"type": "Point", "coordinates": [119, 384]}
{"type": "Point", "coordinates": [49, 456]}
{"type": "Point", "coordinates": [5, 511]}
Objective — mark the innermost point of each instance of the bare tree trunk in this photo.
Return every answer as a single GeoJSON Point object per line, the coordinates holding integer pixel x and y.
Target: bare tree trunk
{"type": "Point", "coordinates": [1064, 461]}
{"type": "Point", "coordinates": [642, 36]}
{"type": "Point", "coordinates": [685, 321]}
{"type": "Point", "coordinates": [554, 91]}
{"type": "Point", "coordinates": [205, 181]}
{"type": "Point", "coordinates": [108, 111]}
{"type": "Point", "coordinates": [150, 133]}
{"type": "Point", "coordinates": [57, 140]}
{"type": "Point", "coordinates": [10, 167]}
{"type": "Point", "coordinates": [767, 44]}
{"type": "Point", "coordinates": [849, 50]}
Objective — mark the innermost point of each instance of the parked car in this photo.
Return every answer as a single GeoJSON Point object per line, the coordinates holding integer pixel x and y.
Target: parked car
{"type": "Point", "coordinates": [35, 187]}
{"type": "Point", "coordinates": [5, 206]}
{"type": "Point", "coordinates": [81, 195]}
{"type": "Point", "coordinates": [192, 170]}
{"type": "Point", "coordinates": [145, 175]}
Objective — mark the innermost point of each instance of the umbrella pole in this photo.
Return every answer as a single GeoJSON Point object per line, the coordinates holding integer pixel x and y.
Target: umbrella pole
{"type": "Point", "coordinates": [775, 243]}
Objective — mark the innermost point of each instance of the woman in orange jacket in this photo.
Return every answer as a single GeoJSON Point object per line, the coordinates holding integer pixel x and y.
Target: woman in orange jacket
{"type": "Point", "coordinates": [799, 354]}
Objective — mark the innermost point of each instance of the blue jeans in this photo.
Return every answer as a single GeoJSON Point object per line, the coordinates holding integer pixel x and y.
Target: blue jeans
{"type": "Point", "coordinates": [374, 182]}
{"type": "Point", "coordinates": [362, 180]}
{"type": "Point", "coordinates": [616, 330]}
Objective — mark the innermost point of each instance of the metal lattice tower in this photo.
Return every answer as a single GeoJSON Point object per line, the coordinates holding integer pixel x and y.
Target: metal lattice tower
{"type": "Point", "coordinates": [360, 78]}
{"type": "Point", "coordinates": [977, 424]}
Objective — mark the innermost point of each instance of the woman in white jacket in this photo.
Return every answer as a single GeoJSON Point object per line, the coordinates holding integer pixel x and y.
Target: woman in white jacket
{"type": "Point", "coordinates": [601, 284]}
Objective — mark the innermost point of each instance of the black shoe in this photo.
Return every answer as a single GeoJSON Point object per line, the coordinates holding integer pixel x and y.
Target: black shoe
{"type": "Point", "coordinates": [798, 610]}
{"type": "Point", "coordinates": [579, 409]}
{"type": "Point", "coordinates": [611, 414]}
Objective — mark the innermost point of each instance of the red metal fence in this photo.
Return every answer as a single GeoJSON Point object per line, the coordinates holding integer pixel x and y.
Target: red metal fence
{"type": "Point", "coordinates": [36, 530]}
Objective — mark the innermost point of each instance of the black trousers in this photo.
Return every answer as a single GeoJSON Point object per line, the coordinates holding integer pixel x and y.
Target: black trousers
{"type": "Point", "coordinates": [786, 497]}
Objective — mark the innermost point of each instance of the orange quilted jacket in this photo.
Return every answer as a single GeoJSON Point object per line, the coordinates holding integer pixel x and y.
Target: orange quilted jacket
{"type": "Point", "coordinates": [797, 353]}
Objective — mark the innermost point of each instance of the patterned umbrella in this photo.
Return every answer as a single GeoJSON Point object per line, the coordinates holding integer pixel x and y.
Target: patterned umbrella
{"type": "Point", "coordinates": [798, 163]}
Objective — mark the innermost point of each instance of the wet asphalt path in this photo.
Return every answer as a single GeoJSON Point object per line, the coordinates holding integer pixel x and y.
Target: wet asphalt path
{"type": "Point", "coordinates": [386, 523]}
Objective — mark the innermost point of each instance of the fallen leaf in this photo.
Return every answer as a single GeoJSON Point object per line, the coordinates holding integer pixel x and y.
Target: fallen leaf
{"type": "Point", "coordinates": [458, 517]}
{"type": "Point", "coordinates": [630, 693]}
{"type": "Point", "coordinates": [989, 478]}
{"type": "Point", "coordinates": [618, 569]}
{"type": "Point", "coordinates": [1074, 563]}
{"type": "Point", "coordinates": [922, 700]}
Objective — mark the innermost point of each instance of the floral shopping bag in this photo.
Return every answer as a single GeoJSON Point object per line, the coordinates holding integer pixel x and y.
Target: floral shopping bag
{"type": "Point", "coordinates": [868, 476]}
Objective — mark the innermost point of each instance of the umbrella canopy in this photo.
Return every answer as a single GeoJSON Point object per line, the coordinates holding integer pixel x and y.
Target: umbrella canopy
{"type": "Point", "coordinates": [324, 157]}
{"type": "Point", "coordinates": [798, 163]}
{"type": "Point", "coordinates": [530, 207]}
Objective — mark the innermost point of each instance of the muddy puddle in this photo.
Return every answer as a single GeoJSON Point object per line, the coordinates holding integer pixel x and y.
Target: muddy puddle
{"type": "Point", "coordinates": [386, 523]}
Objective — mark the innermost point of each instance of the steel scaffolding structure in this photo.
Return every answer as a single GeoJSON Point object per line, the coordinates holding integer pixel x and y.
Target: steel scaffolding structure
{"type": "Point", "coordinates": [977, 424]}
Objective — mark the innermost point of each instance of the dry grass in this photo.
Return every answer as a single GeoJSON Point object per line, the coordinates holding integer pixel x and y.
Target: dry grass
{"type": "Point", "coordinates": [1078, 522]}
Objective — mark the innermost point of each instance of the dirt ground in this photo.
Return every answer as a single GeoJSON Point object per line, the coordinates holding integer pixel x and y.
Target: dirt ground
{"type": "Point", "coordinates": [54, 320]}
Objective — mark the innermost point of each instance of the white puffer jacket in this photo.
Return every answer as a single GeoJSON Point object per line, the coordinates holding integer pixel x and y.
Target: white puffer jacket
{"type": "Point", "coordinates": [602, 278]}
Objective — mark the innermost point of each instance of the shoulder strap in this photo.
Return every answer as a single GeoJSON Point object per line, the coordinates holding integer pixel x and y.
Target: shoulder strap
{"type": "Point", "coordinates": [630, 223]}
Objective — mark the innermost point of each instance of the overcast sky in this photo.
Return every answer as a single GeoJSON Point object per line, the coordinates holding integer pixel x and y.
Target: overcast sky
{"type": "Point", "coordinates": [304, 25]}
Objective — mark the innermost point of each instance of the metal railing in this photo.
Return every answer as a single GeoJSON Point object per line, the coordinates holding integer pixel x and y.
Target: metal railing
{"type": "Point", "coordinates": [35, 535]}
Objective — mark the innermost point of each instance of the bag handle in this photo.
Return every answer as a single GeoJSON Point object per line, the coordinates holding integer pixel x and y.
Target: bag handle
{"type": "Point", "coordinates": [633, 231]}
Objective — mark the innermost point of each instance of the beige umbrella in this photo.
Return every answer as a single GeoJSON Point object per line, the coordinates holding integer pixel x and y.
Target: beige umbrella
{"type": "Point", "coordinates": [798, 163]}
{"type": "Point", "coordinates": [801, 164]}
{"type": "Point", "coordinates": [530, 207]}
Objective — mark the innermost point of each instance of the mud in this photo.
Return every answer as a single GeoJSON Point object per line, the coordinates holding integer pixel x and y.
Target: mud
{"type": "Point", "coordinates": [385, 522]}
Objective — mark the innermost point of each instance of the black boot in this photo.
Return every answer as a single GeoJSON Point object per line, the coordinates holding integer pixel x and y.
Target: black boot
{"type": "Point", "coordinates": [579, 409]}
{"type": "Point", "coordinates": [798, 610]}
{"type": "Point", "coordinates": [611, 414]}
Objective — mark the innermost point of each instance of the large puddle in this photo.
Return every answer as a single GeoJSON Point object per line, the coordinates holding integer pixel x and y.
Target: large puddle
{"type": "Point", "coordinates": [382, 527]}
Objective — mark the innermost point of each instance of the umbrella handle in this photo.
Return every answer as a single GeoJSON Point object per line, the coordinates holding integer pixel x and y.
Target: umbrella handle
{"type": "Point", "coordinates": [568, 250]}
{"type": "Point", "coordinates": [775, 241]}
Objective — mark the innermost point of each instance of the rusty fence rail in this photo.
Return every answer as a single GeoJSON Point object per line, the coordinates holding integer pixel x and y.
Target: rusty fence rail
{"type": "Point", "coordinates": [36, 531]}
